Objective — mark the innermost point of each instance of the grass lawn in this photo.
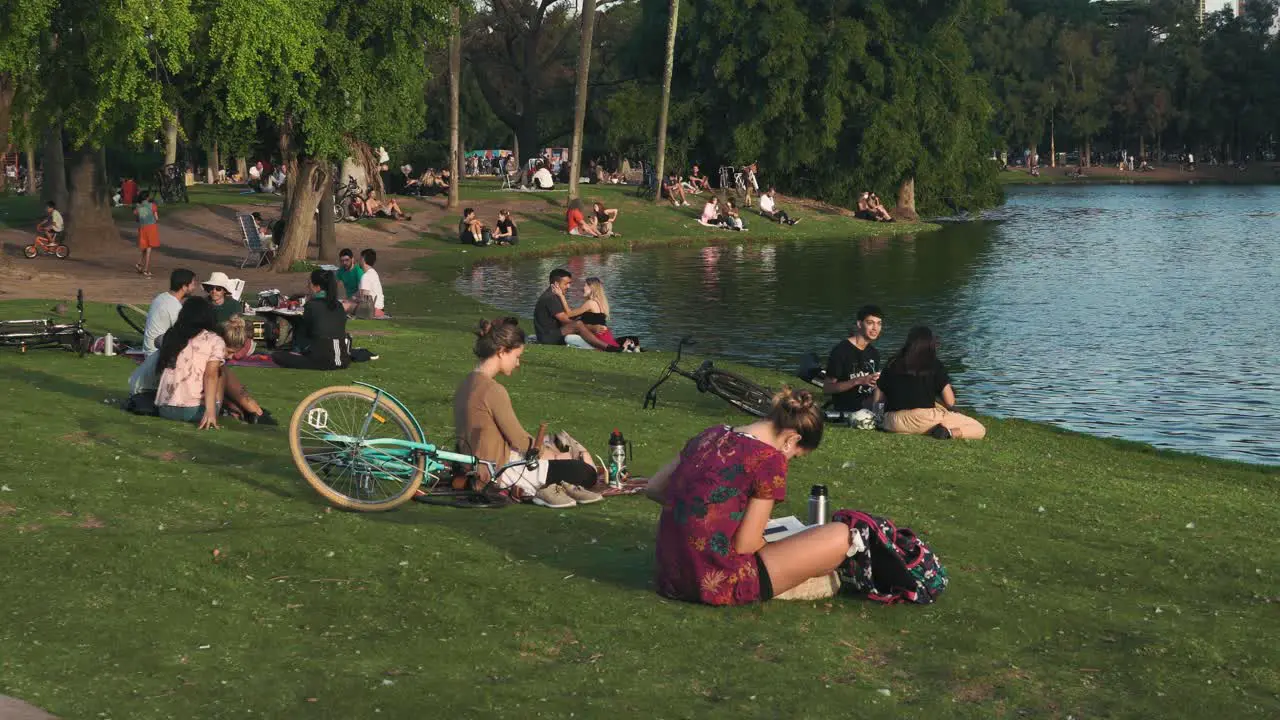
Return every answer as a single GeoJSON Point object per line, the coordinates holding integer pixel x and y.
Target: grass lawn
{"type": "Point", "coordinates": [153, 570]}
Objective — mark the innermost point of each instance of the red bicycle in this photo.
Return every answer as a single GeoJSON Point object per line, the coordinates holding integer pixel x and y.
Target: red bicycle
{"type": "Point", "coordinates": [47, 246]}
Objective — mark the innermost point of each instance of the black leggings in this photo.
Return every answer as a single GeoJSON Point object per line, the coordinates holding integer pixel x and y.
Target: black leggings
{"type": "Point", "coordinates": [782, 217]}
{"type": "Point", "coordinates": [573, 472]}
{"type": "Point", "coordinates": [308, 361]}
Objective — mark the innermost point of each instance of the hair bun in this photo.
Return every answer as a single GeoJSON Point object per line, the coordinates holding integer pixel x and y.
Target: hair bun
{"type": "Point", "coordinates": [794, 401]}
{"type": "Point", "coordinates": [485, 327]}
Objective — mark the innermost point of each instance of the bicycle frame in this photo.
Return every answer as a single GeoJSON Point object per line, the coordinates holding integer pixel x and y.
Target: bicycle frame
{"type": "Point", "coordinates": [697, 376]}
{"type": "Point", "coordinates": [43, 333]}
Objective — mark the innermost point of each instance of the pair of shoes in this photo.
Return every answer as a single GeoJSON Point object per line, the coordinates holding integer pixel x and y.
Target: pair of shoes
{"type": "Point", "coordinates": [266, 418]}
{"type": "Point", "coordinates": [938, 432]}
{"type": "Point", "coordinates": [551, 496]}
{"type": "Point", "coordinates": [580, 495]}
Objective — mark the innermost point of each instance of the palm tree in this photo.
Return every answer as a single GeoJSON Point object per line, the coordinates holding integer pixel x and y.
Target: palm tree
{"type": "Point", "coordinates": [580, 93]}
{"type": "Point", "coordinates": [666, 99]}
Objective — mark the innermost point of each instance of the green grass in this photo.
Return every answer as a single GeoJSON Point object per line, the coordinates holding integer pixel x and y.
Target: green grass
{"type": "Point", "coordinates": [153, 570]}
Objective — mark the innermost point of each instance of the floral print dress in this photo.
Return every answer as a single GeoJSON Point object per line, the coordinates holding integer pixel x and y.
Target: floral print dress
{"type": "Point", "coordinates": [719, 472]}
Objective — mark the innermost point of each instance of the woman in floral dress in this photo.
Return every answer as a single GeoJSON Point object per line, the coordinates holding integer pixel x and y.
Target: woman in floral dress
{"type": "Point", "coordinates": [716, 500]}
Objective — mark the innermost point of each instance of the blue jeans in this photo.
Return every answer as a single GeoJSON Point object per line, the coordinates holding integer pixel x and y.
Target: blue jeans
{"type": "Point", "coordinates": [576, 341]}
{"type": "Point", "coordinates": [182, 414]}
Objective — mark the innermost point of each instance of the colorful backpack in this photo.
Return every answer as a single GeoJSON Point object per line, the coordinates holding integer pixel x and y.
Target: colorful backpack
{"type": "Point", "coordinates": [896, 565]}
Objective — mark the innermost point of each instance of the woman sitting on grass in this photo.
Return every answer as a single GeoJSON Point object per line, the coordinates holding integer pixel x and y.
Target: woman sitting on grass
{"type": "Point", "coordinates": [508, 233]}
{"type": "Point", "coordinates": [321, 338]}
{"type": "Point", "coordinates": [711, 214]}
{"type": "Point", "coordinates": [918, 398]}
{"type": "Point", "coordinates": [487, 427]}
{"type": "Point", "coordinates": [594, 311]}
{"type": "Point", "coordinates": [716, 499]}
{"type": "Point", "coordinates": [193, 383]}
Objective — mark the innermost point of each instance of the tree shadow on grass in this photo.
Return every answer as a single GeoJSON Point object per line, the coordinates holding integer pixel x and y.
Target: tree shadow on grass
{"type": "Point", "coordinates": [574, 542]}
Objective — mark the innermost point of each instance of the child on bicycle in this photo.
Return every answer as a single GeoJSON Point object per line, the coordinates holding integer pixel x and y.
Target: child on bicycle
{"type": "Point", "coordinates": [52, 225]}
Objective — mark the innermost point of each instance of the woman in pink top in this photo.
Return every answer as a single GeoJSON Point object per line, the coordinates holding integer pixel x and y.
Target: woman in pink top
{"type": "Point", "coordinates": [191, 355]}
{"type": "Point", "coordinates": [716, 499]}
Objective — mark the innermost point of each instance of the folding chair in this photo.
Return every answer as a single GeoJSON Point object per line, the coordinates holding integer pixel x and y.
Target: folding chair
{"type": "Point", "coordinates": [257, 251]}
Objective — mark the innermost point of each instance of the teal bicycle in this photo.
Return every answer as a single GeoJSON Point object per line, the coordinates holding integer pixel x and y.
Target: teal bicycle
{"type": "Point", "coordinates": [362, 449]}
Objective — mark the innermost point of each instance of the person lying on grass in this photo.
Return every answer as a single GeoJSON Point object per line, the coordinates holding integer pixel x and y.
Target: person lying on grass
{"type": "Point", "coordinates": [193, 383]}
{"type": "Point", "coordinates": [716, 499]}
{"type": "Point", "coordinates": [389, 208]}
{"type": "Point", "coordinates": [487, 427]}
{"type": "Point", "coordinates": [320, 340]}
{"type": "Point", "coordinates": [918, 398]}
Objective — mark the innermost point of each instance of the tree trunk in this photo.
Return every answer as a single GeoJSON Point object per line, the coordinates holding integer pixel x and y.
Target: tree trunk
{"type": "Point", "coordinates": [1088, 152]}
{"type": "Point", "coordinates": [455, 81]}
{"type": "Point", "coordinates": [1053, 146]}
{"type": "Point", "coordinates": [31, 166]}
{"type": "Point", "coordinates": [580, 93]}
{"type": "Point", "coordinates": [515, 155]}
{"type": "Point", "coordinates": [1142, 146]}
{"type": "Point", "coordinates": [326, 228]}
{"type": "Point", "coordinates": [171, 140]}
{"type": "Point", "coordinates": [55, 168]}
{"type": "Point", "coordinates": [242, 169]}
{"type": "Point", "coordinates": [210, 160]}
{"type": "Point", "coordinates": [6, 107]}
{"type": "Point", "coordinates": [89, 224]}
{"type": "Point", "coordinates": [217, 163]}
{"type": "Point", "coordinates": [290, 169]}
{"type": "Point", "coordinates": [666, 99]}
{"type": "Point", "coordinates": [308, 181]}
{"type": "Point", "coordinates": [906, 209]}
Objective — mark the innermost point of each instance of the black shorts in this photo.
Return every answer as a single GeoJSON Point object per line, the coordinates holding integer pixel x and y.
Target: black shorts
{"type": "Point", "coordinates": [766, 585]}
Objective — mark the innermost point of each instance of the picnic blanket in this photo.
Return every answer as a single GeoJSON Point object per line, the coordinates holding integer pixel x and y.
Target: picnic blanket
{"type": "Point", "coordinates": [631, 486]}
{"type": "Point", "coordinates": [262, 360]}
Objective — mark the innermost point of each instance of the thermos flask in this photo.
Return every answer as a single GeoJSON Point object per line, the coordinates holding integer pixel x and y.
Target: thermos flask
{"type": "Point", "coordinates": [818, 505]}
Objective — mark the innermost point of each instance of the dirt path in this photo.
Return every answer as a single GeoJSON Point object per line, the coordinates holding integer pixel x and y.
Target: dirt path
{"type": "Point", "coordinates": [204, 238]}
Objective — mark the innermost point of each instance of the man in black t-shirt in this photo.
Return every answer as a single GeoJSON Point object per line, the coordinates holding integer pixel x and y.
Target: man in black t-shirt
{"type": "Point", "coordinates": [551, 320]}
{"type": "Point", "coordinates": [854, 365]}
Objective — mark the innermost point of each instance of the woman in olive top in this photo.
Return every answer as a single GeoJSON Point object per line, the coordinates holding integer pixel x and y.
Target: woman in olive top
{"type": "Point", "coordinates": [321, 338]}
{"type": "Point", "coordinates": [487, 427]}
{"type": "Point", "coordinates": [918, 398]}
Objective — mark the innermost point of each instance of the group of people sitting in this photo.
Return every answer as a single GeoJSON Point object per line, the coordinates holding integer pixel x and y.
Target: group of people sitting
{"type": "Point", "coordinates": [600, 223]}
{"type": "Point", "coordinates": [677, 188]}
{"type": "Point", "coordinates": [870, 208]}
{"type": "Point", "coordinates": [428, 184]}
{"type": "Point", "coordinates": [473, 231]}
{"type": "Point", "coordinates": [913, 390]}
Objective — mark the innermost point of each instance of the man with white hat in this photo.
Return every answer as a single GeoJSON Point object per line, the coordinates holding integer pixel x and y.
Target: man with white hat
{"type": "Point", "coordinates": [224, 293]}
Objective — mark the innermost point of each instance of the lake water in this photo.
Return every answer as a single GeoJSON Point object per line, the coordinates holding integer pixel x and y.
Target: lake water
{"type": "Point", "coordinates": [1142, 312]}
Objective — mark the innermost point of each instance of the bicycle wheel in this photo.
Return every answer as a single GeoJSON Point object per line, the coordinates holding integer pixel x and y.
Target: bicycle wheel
{"type": "Point", "coordinates": [30, 251]}
{"type": "Point", "coordinates": [332, 437]}
{"type": "Point", "coordinates": [740, 392]}
{"type": "Point", "coordinates": [61, 251]}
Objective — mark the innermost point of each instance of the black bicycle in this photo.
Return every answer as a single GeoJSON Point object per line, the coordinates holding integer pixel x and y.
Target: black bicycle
{"type": "Point", "coordinates": [734, 389]}
{"type": "Point", "coordinates": [32, 334]}
{"type": "Point", "coordinates": [173, 184]}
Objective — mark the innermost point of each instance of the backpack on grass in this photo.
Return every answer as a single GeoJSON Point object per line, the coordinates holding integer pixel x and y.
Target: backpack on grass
{"type": "Point", "coordinates": [896, 565]}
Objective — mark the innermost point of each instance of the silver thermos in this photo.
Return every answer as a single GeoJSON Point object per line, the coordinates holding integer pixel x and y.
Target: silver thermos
{"type": "Point", "coordinates": [818, 505]}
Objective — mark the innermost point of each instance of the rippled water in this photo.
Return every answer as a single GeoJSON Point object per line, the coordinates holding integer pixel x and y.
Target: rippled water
{"type": "Point", "coordinates": [1143, 312]}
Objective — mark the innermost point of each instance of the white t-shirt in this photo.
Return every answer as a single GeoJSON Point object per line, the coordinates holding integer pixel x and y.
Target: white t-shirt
{"type": "Point", "coordinates": [371, 285]}
{"type": "Point", "coordinates": [55, 219]}
{"type": "Point", "coordinates": [766, 203]}
{"type": "Point", "coordinates": [254, 172]}
{"type": "Point", "coordinates": [161, 316]}
{"type": "Point", "coordinates": [542, 178]}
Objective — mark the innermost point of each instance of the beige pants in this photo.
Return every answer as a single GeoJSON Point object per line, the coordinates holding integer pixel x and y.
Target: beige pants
{"type": "Point", "coordinates": [919, 421]}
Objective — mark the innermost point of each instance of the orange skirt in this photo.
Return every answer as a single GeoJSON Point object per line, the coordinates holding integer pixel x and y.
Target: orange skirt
{"type": "Point", "coordinates": [149, 236]}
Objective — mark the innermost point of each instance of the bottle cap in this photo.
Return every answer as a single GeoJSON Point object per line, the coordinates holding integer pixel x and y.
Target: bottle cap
{"type": "Point", "coordinates": [818, 491]}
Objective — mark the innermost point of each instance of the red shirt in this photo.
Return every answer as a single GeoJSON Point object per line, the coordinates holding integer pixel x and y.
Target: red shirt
{"type": "Point", "coordinates": [128, 191]}
{"type": "Point", "coordinates": [719, 472]}
{"type": "Point", "coordinates": [575, 219]}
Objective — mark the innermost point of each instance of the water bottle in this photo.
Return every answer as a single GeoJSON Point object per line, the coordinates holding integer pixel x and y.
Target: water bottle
{"type": "Point", "coordinates": [109, 345]}
{"type": "Point", "coordinates": [617, 458]}
{"type": "Point", "coordinates": [818, 505]}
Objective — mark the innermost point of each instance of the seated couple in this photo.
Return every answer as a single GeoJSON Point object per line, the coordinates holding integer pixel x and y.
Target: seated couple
{"type": "Point", "coordinates": [362, 284]}
{"type": "Point", "coordinates": [716, 214]}
{"type": "Point", "coordinates": [870, 208]}
{"type": "Point", "coordinates": [471, 231]}
{"type": "Point", "coordinates": [717, 496]}
{"type": "Point", "coordinates": [585, 328]}
{"type": "Point", "coordinates": [599, 224]}
{"type": "Point", "coordinates": [914, 387]}
{"type": "Point", "coordinates": [183, 376]}
{"type": "Point", "coordinates": [487, 427]}
{"type": "Point", "coordinates": [371, 207]}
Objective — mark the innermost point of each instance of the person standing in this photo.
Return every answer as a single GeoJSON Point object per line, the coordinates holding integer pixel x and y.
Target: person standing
{"type": "Point", "coordinates": [853, 367]}
{"type": "Point", "coordinates": [148, 216]}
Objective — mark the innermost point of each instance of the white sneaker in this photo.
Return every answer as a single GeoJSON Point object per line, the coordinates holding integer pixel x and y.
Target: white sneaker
{"type": "Point", "coordinates": [553, 497]}
{"type": "Point", "coordinates": [580, 495]}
